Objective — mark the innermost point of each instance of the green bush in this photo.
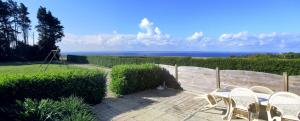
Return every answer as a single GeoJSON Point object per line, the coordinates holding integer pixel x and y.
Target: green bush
{"type": "Point", "coordinates": [132, 78]}
{"type": "Point", "coordinates": [269, 65]}
{"type": "Point", "coordinates": [276, 66]}
{"type": "Point", "coordinates": [88, 84]}
{"type": "Point", "coordinates": [110, 61]}
{"type": "Point", "coordinates": [66, 109]}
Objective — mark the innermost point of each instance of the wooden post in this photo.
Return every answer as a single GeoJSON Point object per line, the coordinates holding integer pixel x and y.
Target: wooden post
{"type": "Point", "coordinates": [218, 81]}
{"type": "Point", "coordinates": [176, 72]}
{"type": "Point", "coordinates": [286, 81]}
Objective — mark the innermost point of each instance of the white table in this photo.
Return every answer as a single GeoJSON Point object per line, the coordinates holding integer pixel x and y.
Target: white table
{"type": "Point", "coordinates": [262, 99]}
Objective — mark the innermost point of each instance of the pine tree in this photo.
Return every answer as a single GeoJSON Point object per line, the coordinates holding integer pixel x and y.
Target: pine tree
{"type": "Point", "coordinates": [5, 30]}
{"type": "Point", "coordinates": [24, 22]}
{"type": "Point", "coordinates": [50, 31]}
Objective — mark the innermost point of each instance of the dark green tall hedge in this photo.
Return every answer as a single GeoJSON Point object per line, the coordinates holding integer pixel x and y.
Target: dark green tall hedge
{"type": "Point", "coordinates": [88, 84]}
{"type": "Point", "coordinates": [110, 61]}
{"type": "Point", "coordinates": [269, 65]}
{"type": "Point", "coordinates": [132, 78]}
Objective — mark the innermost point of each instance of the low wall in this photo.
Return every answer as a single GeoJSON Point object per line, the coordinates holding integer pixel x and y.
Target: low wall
{"type": "Point", "coordinates": [198, 79]}
{"type": "Point", "coordinates": [248, 79]}
{"type": "Point", "coordinates": [294, 84]}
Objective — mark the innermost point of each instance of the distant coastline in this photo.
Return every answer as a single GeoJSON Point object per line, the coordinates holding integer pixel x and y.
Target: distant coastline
{"type": "Point", "coordinates": [166, 53]}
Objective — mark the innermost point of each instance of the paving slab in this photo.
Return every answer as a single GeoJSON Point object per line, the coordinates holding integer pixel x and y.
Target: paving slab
{"type": "Point", "coordinates": [156, 105]}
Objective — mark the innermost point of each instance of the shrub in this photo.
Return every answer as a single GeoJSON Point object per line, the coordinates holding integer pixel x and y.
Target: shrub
{"type": "Point", "coordinates": [88, 84]}
{"type": "Point", "coordinates": [269, 65]}
{"type": "Point", "coordinates": [131, 78]}
{"type": "Point", "coordinates": [110, 61]}
{"type": "Point", "coordinates": [66, 109]}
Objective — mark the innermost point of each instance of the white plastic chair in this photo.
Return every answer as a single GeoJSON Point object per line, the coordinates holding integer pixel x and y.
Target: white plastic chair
{"type": "Point", "coordinates": [212, 99]}
{"type": "Point", "coordinates": [244, 103]}
{"type": "Point", "coordinates": [286, 103]}
{"type": "Point", "coordinates": [261, 89]}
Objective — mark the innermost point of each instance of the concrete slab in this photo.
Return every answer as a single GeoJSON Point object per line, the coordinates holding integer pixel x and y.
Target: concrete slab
{"type": "Point", "coordinates": [155, 105]}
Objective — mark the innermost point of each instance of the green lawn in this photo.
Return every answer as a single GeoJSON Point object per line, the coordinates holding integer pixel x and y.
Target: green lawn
{"type": "Point", "coordinates": [32, 68]}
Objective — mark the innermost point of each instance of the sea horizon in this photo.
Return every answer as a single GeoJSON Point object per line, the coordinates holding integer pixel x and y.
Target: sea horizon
{"type": "Point", "coordinates": [166, 53]}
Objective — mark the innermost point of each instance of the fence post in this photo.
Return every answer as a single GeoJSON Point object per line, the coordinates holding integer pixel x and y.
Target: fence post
{"type": "Point", "coordinates": [286, 81]}
{"type": "Point", "coordinates": [176, 72]}
{"type": "Point", "coordinates": [218, 81]}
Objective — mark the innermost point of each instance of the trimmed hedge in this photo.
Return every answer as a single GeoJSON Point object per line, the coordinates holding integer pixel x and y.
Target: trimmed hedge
{"type": "Point", "coordinates": [132, 78]}
{"type": "Point", "coordinates": [88, 84]}
{"type": "Point", "coordinates": [66, 109]}
{"type": "Point", "coordinates": [275, 66]}
{"type": "Point", "coordinates": [268, 65]}
{"type": "Point", "coordinates": [110, 61]}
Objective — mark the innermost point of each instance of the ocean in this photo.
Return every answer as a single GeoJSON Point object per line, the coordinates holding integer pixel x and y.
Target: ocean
{"type": "Point", "coordinates": [165, 53]}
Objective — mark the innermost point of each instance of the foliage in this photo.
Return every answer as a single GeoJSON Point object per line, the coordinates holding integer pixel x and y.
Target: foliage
{"type": "Point", "coordinates": [14, 22]}
{"type": "Point", "coordinates": [110, 61]}
{"type": "Point", "coordinates": [269, 65]}
{"type": "Point", "coordinates": [129, 78]}
{"type": "Point", "coordinates": [66, 109]}
{"type": "Point", "coordinates": [88, 84]}
{"type": "Point", "coordinates": [24, 22]}
{"type": "Point", "coordinates": [289, 55]}
{"type": "Point", "coordinates": [50, 31]}
{"type": "Point", "coordinates": [276, 66]}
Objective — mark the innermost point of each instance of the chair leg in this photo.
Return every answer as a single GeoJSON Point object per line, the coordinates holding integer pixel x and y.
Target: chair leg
{"type": "Point", "coordinates": [211, 100]}
{"type": "Point", "coordinates": [249, 116]}
{"type": "Point", "coordinates": [230, 115]}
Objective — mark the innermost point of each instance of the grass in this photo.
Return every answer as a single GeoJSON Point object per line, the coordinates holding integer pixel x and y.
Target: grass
{"type": "Point", "coordinates": [33, 68]}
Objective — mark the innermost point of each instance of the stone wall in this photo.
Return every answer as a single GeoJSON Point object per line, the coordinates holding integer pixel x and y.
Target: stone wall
{"type": "Point", "coordinates": [198, 79]}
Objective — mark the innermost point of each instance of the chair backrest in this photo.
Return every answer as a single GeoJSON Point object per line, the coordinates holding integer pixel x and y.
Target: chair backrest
{"type": "Point", "coordinates": [287, 103]}
{"type": "Point", "coordinates": [261, 89]}
{"type": "Point", "coordinates": [228, 88]}
{"type": "Point", "coordinates": [243, 97]}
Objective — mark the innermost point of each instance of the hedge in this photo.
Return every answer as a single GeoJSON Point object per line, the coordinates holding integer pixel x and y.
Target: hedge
{"type": "Point", "coordinates": [132, 78]}
{"type": "Point", "coordinates": [110, 61]}
{"type": "Point", "coordinates": [88, 84]}
{"type": "Point", "coordinates": [65, 109]}
{"type": "Point", "coordinates": [268, 65]}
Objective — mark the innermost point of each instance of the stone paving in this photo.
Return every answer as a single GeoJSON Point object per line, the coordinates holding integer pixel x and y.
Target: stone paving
{"type": "Point", "coordinates": [155, 105]}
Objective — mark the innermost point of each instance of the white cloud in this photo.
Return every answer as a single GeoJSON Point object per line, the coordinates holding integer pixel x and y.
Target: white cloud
{"type": "Point", "coordinates": [97, 42]}
{"type": "Point", "coordinates": [152, 38]}
{"type": "Point", "coordinates": [263, 41]}
{"type": "Point", "coordinates": [152, 35]}
{"type": "Point", "coordinates": [196, 36]}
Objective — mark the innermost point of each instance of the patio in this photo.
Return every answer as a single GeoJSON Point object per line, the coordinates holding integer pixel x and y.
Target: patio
{"type": "Point", "coordinates": [155, 105]}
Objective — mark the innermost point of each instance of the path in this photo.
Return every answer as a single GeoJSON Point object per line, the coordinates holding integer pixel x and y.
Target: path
{"type": "Point", "coordinates": [155, 105]}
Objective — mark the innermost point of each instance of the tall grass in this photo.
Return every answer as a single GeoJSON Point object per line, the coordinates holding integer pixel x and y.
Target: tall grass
{"type": "Point", "coordinates": [65, 109]}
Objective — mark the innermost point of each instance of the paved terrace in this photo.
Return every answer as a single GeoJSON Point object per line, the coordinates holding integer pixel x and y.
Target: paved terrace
{"type": "Point", "coordinates": [155, 105]}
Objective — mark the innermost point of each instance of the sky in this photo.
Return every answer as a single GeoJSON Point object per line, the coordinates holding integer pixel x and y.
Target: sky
{"type": "Point", "coordinates": [175, 25]}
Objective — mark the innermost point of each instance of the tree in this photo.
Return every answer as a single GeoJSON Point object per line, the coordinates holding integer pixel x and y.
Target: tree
{"type": "Point", "coordinates": [50, 31]}
{"type": "Point", "coordinates": [24, 22]}
{"type": "Point", "coordinates": [5, 30]}
{"type": "Point", "coordinates": [13, 9]}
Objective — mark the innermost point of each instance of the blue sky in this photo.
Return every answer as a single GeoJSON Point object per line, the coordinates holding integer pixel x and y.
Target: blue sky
{"type": "Point", "coordinates": [176, 25]}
